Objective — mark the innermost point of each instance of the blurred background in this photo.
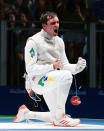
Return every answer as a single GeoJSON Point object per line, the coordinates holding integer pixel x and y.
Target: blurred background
{"type": "Point", "coordinates": [81, 28]}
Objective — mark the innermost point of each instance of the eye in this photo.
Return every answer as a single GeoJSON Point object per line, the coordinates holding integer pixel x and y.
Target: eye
{"type": "Point", "coordinates": [53, 23]}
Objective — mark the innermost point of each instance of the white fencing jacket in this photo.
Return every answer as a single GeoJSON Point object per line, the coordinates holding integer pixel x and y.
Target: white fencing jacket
{"type": "Point", "coordinates": [41, 51]}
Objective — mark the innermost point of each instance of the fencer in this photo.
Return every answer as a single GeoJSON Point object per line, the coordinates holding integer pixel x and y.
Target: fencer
{"type": "Point", "coordinates": [49, 73]}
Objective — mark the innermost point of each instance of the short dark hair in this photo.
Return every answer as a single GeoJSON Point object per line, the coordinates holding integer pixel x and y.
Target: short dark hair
{"type": "Point", "coordinates": [44, 16]}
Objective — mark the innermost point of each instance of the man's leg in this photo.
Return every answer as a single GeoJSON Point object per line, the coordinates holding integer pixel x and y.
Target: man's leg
{"type": "Point", "coordinates": [56, 96]}
{"type": "Point", "coordinates": [25, 114]}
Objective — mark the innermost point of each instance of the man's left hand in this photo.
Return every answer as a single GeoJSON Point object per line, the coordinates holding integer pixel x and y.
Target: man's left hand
{"type": "Point", "coordinates": [81, 64]}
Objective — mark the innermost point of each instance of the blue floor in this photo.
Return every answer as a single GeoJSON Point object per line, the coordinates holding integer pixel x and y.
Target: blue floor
{"type": "Point", "coordinates": [83, 121]}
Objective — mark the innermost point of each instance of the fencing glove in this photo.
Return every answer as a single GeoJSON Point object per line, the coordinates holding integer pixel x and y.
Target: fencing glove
{"type": "Point", "coordinates": [80, 66]}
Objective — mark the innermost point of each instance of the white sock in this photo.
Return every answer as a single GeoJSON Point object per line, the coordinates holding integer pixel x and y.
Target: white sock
{"type": "Point", "coordinates": [59, 114]}
{"type": "Point", "coordinates": [43, 116]}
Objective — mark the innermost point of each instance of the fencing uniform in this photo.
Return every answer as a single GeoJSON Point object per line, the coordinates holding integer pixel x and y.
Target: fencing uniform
{"type": "Point", "coordinates": [41, 51]}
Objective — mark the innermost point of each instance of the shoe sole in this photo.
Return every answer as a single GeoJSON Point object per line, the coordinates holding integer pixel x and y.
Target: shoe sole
{"type": "Point", "coordinates": [19, 111]}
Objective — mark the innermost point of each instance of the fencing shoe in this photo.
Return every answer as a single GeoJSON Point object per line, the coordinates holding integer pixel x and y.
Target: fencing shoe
{"type": "Point", "coordinates": [21, 114]}
{"type": "Point", "coordinates": [67, 121]}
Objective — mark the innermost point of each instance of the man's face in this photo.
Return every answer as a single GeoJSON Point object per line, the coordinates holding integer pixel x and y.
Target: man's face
{"type": "Point", "coordinates": [52, 26]}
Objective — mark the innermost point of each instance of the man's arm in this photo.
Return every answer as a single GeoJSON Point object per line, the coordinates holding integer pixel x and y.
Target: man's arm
{"type": "Point", "coordinates": [73, 68]}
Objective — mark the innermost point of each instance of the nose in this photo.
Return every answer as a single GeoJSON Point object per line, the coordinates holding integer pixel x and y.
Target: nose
{"type": "Point", "coordinates": [57, 24]}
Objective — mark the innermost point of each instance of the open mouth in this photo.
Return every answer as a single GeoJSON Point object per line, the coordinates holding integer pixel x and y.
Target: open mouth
{"type": "Point", "coordinates": [56, 31]}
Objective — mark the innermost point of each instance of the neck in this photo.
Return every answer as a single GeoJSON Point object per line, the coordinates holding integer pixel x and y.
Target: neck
{"type": "Point", "coordinates": [46, 35]}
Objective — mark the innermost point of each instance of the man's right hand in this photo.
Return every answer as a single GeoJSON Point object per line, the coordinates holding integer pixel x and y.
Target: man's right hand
{"type": "Point", "coordinates": [57, 64]}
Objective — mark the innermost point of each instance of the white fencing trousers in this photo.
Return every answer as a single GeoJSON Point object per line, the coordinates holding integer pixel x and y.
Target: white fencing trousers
{"type": "Point", "coordinates": [54, 86]}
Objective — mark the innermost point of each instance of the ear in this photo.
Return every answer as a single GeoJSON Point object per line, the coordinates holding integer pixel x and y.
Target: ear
{"type": "Point", "coordinates": [44, 26]}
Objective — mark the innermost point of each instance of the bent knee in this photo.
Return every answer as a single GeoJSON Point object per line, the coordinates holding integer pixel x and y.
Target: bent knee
{"type": "Point", "coordinates": [61, 75]}
{"type": "Point", "coordinates": [64, 76]}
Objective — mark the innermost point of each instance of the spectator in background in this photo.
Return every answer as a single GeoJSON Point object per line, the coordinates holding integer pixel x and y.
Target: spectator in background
{"type": "Point", "coordinates": [24, 20]}
{"type": "Point", "coordinates": [58, 6]}
{"type": "Point", "coordinates": [12, 20]}
{"type": "Point", "coordinates": [70, 12]}
{"type": "Point", "coordinates": [42, 6]}
{"type": "Point", "coordinates": [74, 38]}
{"type": "Point", "coordinates": [4, 7]}
{"type": "Point", "coordinates": [15, 7]}
{"type": "Point", "coordinates": [1, 10]}
{"type": "Point", "coordinates": [76, 14]}
{"type": "Point", "coordinates": [19, 2]}
{"type": "Point", "coordinates": [28, 7]}
{"type": "Point", "coordinates": [12, 42]}
{"type": "Point", "coordinates": [89, 15]}
{"type": "Point", "coordinates": [22, 35]}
